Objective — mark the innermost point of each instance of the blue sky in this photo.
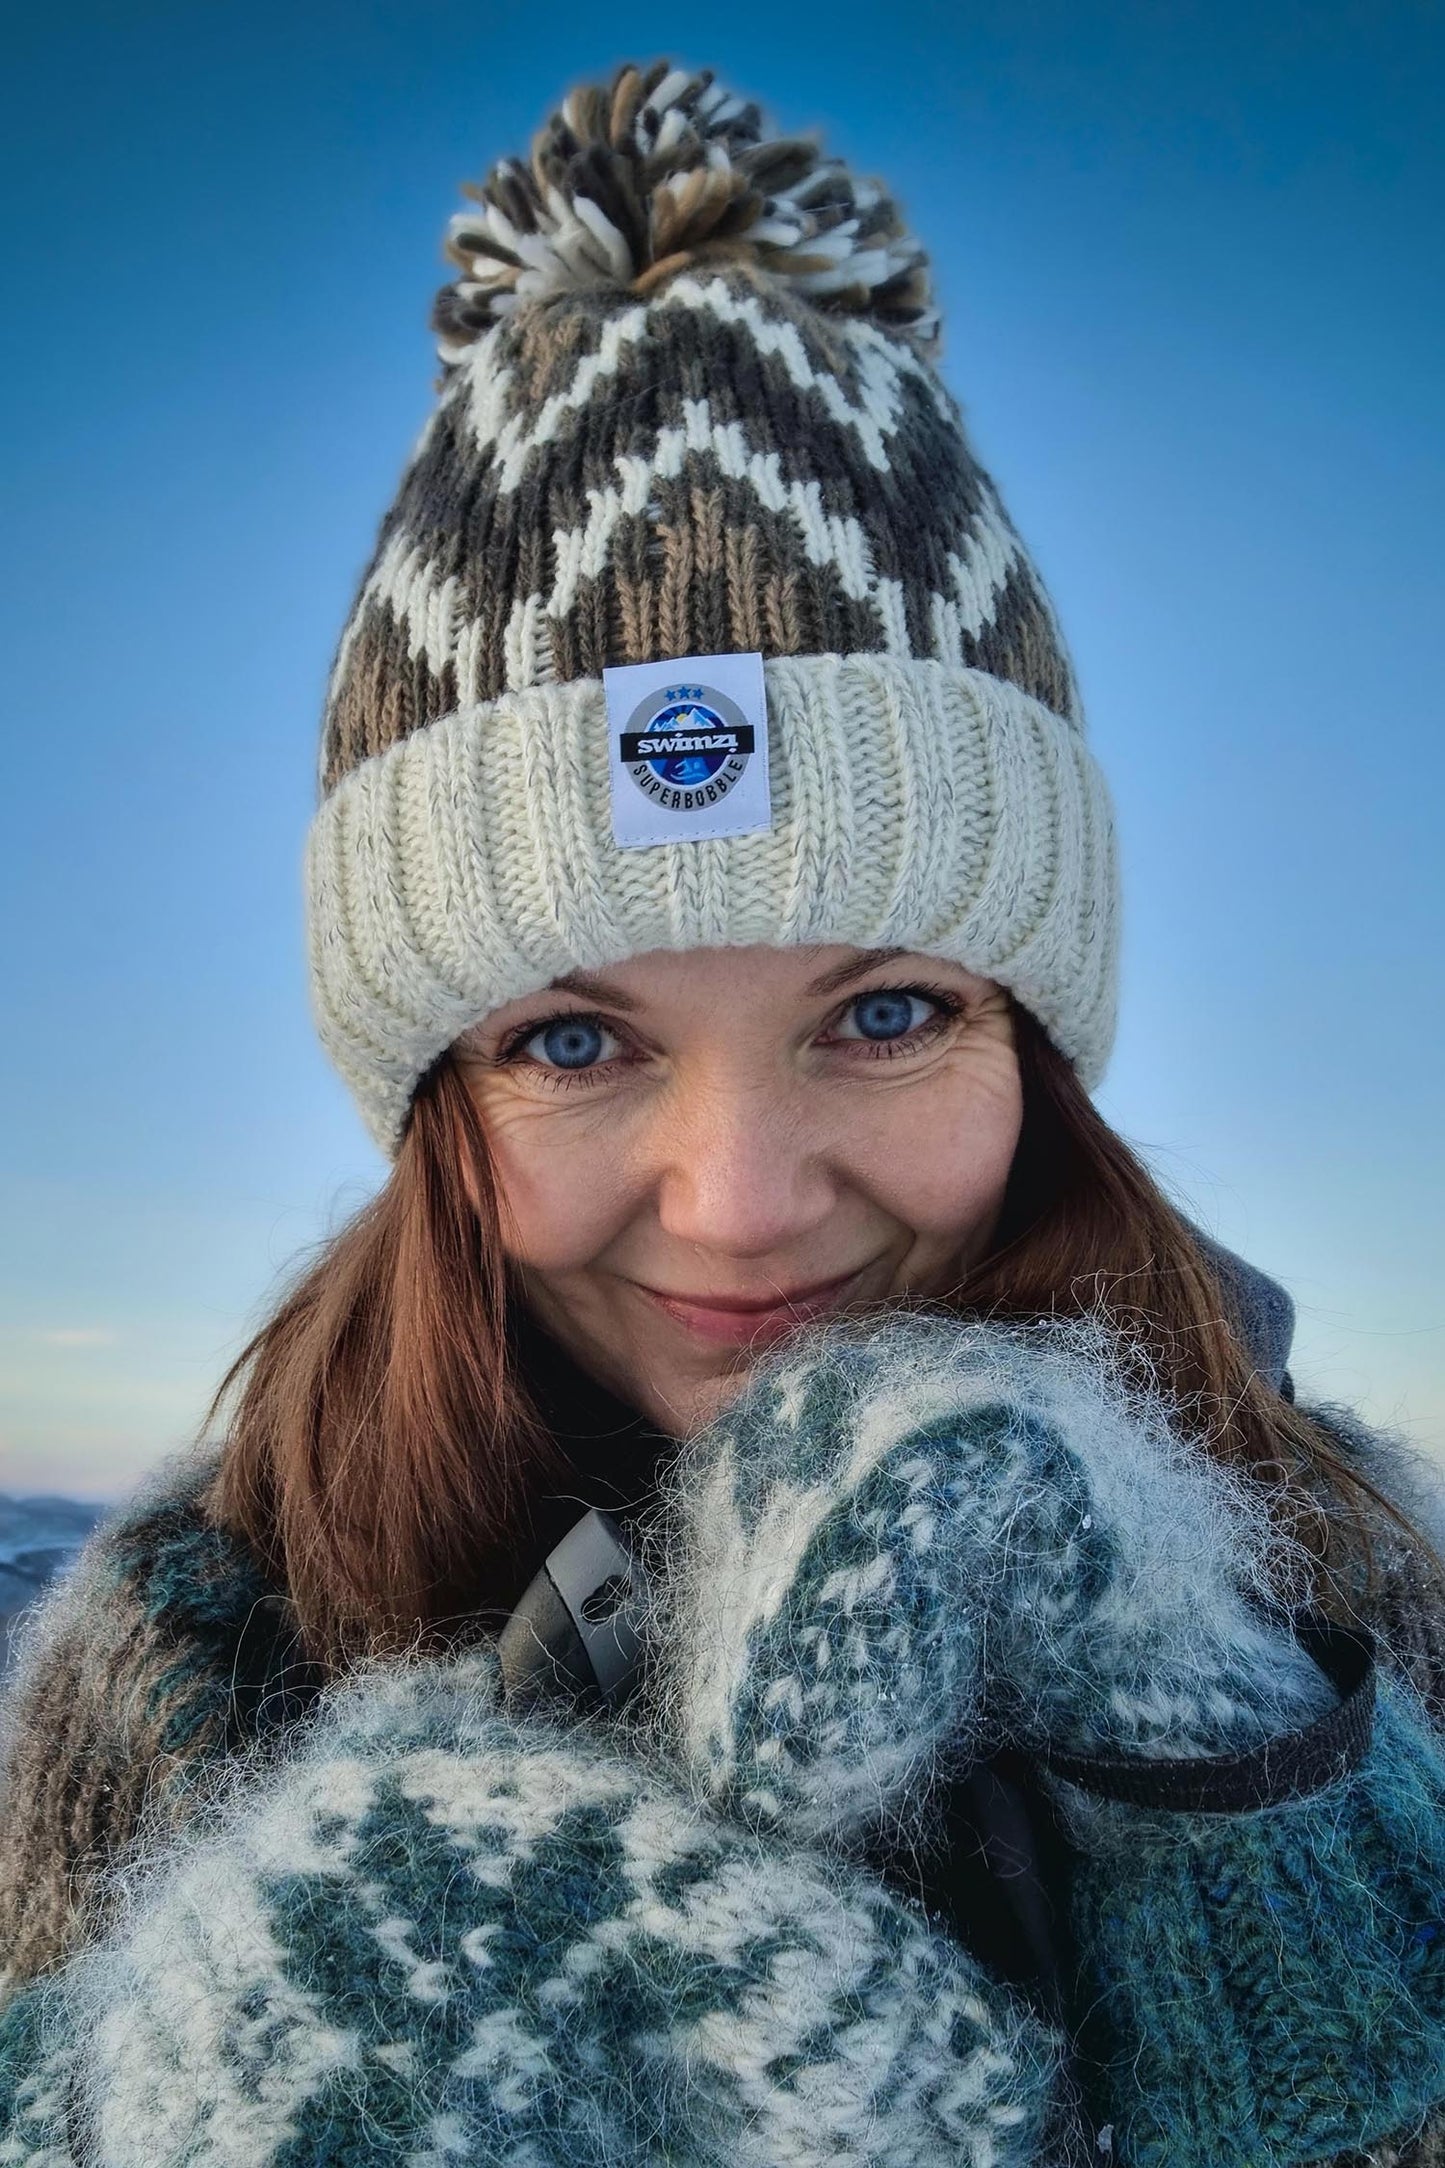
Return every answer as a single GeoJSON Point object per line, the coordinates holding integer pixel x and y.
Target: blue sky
{"type": "Point", "coordinates": [1189, 265]}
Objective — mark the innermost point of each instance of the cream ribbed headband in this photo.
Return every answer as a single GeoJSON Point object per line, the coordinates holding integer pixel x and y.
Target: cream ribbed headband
{"type": "Point", "coordinates": [691, 408]}
{"type": "Point", "coordinates": [915, 804]}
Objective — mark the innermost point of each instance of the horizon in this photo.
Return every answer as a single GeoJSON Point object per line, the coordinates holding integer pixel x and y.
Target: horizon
{"type": "Point", "coordinates": [1191, 292]}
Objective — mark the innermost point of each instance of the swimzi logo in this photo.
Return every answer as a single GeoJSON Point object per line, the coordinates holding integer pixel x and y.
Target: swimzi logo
{"type": "Point", "coordinates": [687, 749]}
{"type": "Point", "coordinates": [686, 746]}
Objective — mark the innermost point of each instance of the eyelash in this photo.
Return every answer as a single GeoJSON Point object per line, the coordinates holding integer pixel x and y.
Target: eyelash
{"type": "Point", "coordinates": [947, 1004]}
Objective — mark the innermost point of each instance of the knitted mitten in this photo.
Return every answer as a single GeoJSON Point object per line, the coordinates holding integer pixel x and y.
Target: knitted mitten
{"type": "Point", "coordinates": [903, 1543]}
{"type": "Point", "coordinates": [37, 2070]}
{"type": "Point", "coordinates": [903, 1540]}
{"type": "Point", "coordinates": [437, 1935]}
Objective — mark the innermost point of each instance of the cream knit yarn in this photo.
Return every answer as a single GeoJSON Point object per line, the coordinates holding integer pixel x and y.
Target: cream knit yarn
{"type": "Point", "coordinates": [690, 408]}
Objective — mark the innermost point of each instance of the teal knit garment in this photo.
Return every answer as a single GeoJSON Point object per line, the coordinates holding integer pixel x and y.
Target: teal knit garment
{"type": "Point", "coordinates": [1269, 1987]}
{"type": "Point", "coordinates": [425, 1932]}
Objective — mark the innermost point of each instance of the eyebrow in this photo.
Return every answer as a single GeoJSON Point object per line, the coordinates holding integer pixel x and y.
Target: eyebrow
{"type": "Point", "coordinates": [844, 974]}
{"type": "Point", "coordinates": [590, 988]}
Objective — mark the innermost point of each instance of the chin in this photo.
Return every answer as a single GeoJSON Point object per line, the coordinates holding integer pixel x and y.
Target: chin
{"type": "Point", "coordinates": [681, 1406]}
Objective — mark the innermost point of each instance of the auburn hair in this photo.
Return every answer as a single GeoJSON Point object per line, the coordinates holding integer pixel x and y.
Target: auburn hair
{"type": "Point", "coordinates": [382, 1458]}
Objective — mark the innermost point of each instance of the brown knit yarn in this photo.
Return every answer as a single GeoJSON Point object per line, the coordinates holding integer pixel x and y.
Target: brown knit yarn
{"type": "Point", "coordinates": [706, 565]}
{"type": "Point", "coordinates": [801, 481]}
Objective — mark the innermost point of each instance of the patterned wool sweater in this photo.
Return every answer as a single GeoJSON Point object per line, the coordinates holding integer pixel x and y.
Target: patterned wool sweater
{"type": "Point", "coordinates": [424, 1931]}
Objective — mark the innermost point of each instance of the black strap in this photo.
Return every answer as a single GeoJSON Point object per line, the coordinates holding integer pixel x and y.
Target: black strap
{"type": "Point", "coordinates": [1289, 1767]}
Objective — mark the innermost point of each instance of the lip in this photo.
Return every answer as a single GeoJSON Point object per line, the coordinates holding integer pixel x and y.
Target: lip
{"type": "Point", "coordinates": [754, 1321]}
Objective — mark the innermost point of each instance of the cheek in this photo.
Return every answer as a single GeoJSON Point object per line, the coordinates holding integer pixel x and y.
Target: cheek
{"type": "Point", "coordinates": [938, 1161]}
{"type": "Point", "coordinates": [565, 1195]}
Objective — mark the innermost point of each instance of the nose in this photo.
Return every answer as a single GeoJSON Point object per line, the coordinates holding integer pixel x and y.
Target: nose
{"type": "Point", "coordinates": [742, 1173]}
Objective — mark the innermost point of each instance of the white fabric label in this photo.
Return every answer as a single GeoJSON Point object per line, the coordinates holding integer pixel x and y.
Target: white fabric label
{"type": "Point", "coordinates": [689, 747]}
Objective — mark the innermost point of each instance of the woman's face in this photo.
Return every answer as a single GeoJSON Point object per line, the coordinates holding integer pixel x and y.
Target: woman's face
{"type": "Point", "coordinates": [698, 1151]}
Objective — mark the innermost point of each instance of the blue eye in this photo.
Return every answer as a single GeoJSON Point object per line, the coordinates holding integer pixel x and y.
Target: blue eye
{"type": "Point", "coordinates": [569, 1042]}
{"type": "Point", "coordinates": [890, 1013]}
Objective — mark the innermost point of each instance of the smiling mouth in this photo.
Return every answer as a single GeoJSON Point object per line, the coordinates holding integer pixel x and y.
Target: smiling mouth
{"type": "Point", "coordinates": [734, 1320]}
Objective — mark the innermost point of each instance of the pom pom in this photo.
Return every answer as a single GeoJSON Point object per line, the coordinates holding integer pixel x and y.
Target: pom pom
{"type": "Point", "coordinates": [664, 169]}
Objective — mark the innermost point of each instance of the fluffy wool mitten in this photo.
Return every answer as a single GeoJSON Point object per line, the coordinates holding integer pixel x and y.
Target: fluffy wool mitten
{"type": "Point", "coordinates": [437, 1936]}
{"type": "Point", "coordinates": [904, 1543]}
{"type": "Point", "coordinates": [905, 1540]}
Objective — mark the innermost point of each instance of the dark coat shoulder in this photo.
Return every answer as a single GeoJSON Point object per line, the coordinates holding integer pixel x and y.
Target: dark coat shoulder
{"type": "Point", "coordinates": [159, 1653]}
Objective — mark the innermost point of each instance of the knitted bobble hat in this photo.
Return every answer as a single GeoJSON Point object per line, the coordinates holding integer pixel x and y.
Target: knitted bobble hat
{"type": "Point", "coordinates": [694, 621]}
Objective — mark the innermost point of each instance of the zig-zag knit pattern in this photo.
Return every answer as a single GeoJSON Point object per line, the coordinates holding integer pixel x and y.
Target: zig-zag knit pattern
{"type": "Point", "coordinates": [691, 407]}
{"type": "Point", "coordinates": [439, 1938]}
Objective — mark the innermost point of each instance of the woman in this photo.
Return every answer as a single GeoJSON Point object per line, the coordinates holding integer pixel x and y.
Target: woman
{"type": "Point", "coordinates": [712, 908]}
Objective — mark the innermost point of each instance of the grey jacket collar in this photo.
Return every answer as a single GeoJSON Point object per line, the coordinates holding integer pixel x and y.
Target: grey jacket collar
{"type": "Point", "coordinates": [1266, 1312]}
